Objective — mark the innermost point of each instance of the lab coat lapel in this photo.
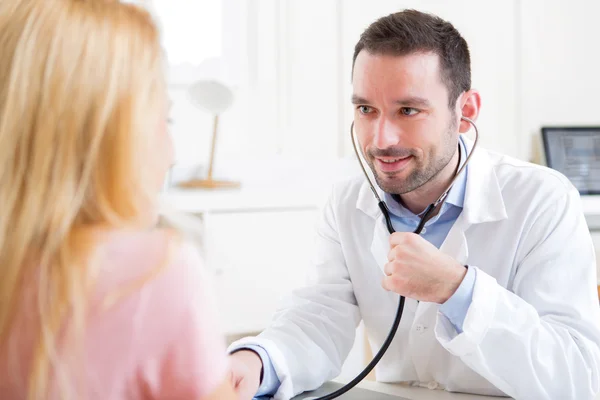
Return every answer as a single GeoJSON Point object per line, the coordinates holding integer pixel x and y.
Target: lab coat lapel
{"type": "Point", "coordinates": [483, 203]}
{"type": "Point", "coordinates": [380, 246]}
{"type": "Point", "coordinates": [380, 240]}
{"type": "Point", "coordinates": [455, 244]}
{"type": "Point", "coordinates": [483, 196]}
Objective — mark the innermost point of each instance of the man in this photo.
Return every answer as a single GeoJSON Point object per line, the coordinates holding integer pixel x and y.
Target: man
{"type": "Point", "coordinates": [522, 319]}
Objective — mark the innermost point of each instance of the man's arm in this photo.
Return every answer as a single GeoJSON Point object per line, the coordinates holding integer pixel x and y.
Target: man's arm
{"type": "Point", "coordinates": [542, 339]}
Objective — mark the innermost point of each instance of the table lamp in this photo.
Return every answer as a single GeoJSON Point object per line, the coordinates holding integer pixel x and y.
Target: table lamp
{"type": "Point", "coordinates": [215, 98]}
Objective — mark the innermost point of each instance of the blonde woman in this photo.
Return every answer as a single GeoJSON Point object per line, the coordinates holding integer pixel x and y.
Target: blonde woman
{"type": "Point", "coordinates": [95, 302]}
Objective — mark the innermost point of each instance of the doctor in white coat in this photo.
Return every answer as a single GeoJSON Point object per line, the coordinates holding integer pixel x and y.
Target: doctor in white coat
{"type": "Point", "coordinates": [521, 320]}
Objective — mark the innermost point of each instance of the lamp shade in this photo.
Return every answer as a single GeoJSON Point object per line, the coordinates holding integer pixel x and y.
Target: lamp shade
{"type": "Point", "coordinates": [211, 96]}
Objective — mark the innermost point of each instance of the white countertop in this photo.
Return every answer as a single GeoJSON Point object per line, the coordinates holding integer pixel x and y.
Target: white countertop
{"type": "Point", "coordinates": [246, 198]}
{"type": "Point", "coordinates": [591, 204]}
{"type": "Point", "coordinates": [399, 390]}
{"type": "Point", "coordinates": [283, 184]}
{"type": "Point", "coordinates": [418, 393]}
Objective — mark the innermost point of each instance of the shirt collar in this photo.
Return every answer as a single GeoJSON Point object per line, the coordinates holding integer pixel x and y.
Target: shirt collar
{"type": "Point", "coordinates": [456, 195]}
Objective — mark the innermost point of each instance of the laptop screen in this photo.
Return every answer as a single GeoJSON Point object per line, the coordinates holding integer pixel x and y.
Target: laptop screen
{"type": "Point", "coordinates": [575, 152]}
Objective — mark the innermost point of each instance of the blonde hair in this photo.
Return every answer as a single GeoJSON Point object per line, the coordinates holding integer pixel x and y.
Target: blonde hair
{"type": "Point", "coordinates": [80, 89]}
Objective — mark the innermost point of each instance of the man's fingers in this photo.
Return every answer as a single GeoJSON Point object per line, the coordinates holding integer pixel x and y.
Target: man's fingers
{"type": "Point", "coordinates": [234, 378]}
{"type": "Point", "coordinates": [399, 238]}
{"type": "Point", "coordinates": [387, 269]}
{"type": "Point", "coordinates": [387, 283]}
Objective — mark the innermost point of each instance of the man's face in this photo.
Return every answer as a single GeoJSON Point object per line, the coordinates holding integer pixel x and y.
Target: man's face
{"type": "Point", "coordinates": [406, 130]}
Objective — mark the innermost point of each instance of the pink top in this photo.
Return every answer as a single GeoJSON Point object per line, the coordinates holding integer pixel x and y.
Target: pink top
{"type": "Point", "coordinates": [158, 341]}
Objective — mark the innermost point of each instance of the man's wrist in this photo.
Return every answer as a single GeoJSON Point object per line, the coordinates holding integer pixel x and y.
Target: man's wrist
{"type": "Point", "coordinates": [454, 282]}
{"type": "Point", "coordinates": [457, 306]}
{"type": "Point", "coordinates": [256, 355]}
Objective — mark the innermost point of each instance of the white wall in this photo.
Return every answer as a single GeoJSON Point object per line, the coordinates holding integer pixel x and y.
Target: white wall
{"type": "Point", "coordinates": [559, 55]}
{"type": "Point", "coordinates": [535, 63]}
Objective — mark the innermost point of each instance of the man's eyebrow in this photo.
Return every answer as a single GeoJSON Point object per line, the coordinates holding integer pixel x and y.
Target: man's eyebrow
{"type": "Point", "coordinates": [413, 102]}
{"type": "Point", "coordinates": [359, 100]}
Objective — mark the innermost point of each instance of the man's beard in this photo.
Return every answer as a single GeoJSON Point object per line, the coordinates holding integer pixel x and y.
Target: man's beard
{"type": "Point", "coordinates": [421, 174]}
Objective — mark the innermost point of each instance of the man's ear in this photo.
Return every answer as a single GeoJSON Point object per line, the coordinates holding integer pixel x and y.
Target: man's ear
{"type": "Point", "coordinates": [469, 103]}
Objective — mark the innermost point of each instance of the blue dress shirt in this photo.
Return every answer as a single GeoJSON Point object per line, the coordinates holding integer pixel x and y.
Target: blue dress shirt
{"type": "Point", "coordinates": [435, 232]}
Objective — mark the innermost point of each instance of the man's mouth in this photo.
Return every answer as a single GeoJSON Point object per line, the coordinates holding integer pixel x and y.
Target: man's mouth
{"type": "Point", "coordinates": [388, 164]}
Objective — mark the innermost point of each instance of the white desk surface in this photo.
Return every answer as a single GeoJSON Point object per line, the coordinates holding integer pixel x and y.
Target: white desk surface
{"type": "Point", "coordinates": [590, 204]}
{"type": "Point", "coordinates": [418, 393]}
{"type": "Point", "coordinates": [396, 390]}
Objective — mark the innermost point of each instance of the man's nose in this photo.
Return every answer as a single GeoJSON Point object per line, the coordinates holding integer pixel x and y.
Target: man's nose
{"type": "Point", "coordinates": [386, 134]}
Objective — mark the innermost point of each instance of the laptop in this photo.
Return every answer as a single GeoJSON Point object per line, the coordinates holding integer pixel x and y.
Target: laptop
{"type": "Point", "coordinates": [575, 152]}
{"type": "Point", "coordinates": [353, 394]}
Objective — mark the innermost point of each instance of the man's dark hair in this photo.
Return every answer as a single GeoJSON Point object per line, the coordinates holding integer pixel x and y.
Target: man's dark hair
{"type": "Point", "coordinates": [412, 31]}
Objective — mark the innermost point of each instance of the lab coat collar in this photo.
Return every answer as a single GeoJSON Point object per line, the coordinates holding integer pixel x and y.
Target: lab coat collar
{"type": "Point", "coordinates": [483, 200]}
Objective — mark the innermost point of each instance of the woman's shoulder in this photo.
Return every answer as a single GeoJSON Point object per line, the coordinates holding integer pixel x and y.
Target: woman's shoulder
{"type": "Point", "coordinates": [127, 254]}
{"type": "Point", "coordinates": [157, 275]}
{"type": "Point", "coordinates": [160, 266]}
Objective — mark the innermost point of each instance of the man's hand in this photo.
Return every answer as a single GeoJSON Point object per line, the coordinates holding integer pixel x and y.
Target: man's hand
{"type": "Point", "coordinates": [418, 270]}
{"type": "Point", "coordinates": [245, 367]}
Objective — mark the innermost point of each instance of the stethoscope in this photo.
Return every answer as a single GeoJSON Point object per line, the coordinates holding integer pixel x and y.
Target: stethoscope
{"type": "Point", "coordinates": [388, 222]}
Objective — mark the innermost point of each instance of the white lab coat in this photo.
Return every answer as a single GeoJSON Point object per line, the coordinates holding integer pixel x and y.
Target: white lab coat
{"type": "Point", "coordinates": [532, 330]}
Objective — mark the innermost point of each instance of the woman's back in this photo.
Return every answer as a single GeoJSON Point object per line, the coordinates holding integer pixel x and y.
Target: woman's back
{"type": "Point", "coordinates": [150, 331]}
{"type": "Point", "coordinates": [94, 304]}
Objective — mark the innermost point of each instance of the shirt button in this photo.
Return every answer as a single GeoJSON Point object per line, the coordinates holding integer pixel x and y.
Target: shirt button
{"type": "Point", "coordinates": [432, 385]}
{"type": "Point", "coordinates": [419, 328]}
{"type": "Point", "coordinates": [424, 230]}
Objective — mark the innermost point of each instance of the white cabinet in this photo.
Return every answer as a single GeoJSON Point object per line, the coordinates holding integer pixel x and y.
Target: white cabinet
{"type": "Point", "coordinates": [257, 258]}
{"type": "Point", "coordinates": [257, 242]}
{"type": "Point", "coordinates": [559, 60]}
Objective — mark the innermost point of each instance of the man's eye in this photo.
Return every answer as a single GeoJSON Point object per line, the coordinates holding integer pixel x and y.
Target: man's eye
{"type": "Point", "coordinates": [365, 109]}
{"type": "Point", "coordinates": [408, 111]}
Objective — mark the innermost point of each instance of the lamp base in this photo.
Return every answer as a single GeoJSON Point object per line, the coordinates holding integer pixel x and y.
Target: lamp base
{"type": "Point", "coordinates": [208, 184]}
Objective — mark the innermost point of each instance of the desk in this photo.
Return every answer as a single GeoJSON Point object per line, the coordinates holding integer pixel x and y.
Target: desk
{"type": "Point", "coordinates": [384, 391]}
